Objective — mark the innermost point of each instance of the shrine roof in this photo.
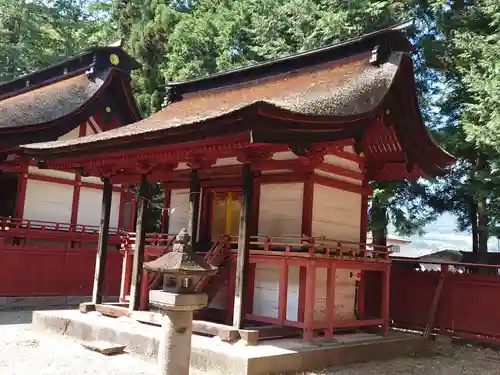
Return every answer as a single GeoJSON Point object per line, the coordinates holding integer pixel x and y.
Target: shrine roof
{"type": "Point", "coordinates": [336, 80]}
{"type": "Point", "coordinates": [48, 97]}
{"type": "Point", "coordinates": [49, 102]}
{"type": "Point", "coordinates": [327, 94]}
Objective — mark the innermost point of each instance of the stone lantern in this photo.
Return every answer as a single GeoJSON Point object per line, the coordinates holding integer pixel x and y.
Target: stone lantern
{"type": "Point", "coordinates": [181, 269]}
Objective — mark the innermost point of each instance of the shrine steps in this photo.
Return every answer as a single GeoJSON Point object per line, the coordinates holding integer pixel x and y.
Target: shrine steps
{"type": "Point", "coordinates": [215, 357]}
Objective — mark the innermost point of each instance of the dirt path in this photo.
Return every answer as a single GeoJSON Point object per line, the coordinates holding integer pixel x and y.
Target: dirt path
{"type": "Point", "coordinates": [24, 351]}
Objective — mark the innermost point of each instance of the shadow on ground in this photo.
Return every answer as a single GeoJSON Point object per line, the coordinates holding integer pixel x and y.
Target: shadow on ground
{"type": "Point", "coordinates": [15, 317]}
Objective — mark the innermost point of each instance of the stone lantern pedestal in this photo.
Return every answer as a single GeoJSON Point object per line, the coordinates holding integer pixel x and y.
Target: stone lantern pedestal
{"type": "Point", "coordinates": [181, 269]}
{"type": "Point", "coordinates": [176, 328]}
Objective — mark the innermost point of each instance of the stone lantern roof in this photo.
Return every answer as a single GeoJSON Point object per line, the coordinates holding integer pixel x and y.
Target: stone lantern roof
{"type": "Point", "coordinates": [181, 261]}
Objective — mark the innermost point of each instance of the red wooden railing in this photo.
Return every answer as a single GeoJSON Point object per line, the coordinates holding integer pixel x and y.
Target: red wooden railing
{"type": "Point", "coordinates": [157, 244]}
{"type": "Point", "coordinates": [289, 251]}
{"type": "Point", "coordinates": [215, 256]}
{"type": "Point", "coordinates": [30, 232]}
{"type": "Point", "coordinates": [315, 247]}
{"type": "Point", "coordinates": [8, 224]}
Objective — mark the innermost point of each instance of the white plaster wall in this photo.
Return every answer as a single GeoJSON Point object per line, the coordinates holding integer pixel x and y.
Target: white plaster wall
{"type": "Point", "coordinates": [92, 180]}
{"type": "Point", "coordinates": [220, 300]}
{"type": "Point", "coordinates": [89, 207]}
{"type": "Point", "coordinates": [280, 209]}
{"type": "Point", "coordinates": [51, 173]}
{"type": "Point", "coordinates": [70, 135]}
{"type": "Point", "coordinates": [345, 293]}
{"type": "Point", "coordinates": [292, 301]}
{"type": "Point", "coordinates": [336, 214]}
{"type": "Point", "coordinates": [266, 293]}
{"type": "Point", "coordinates": [341, 162]}
{"type": "Point", "coordinates": [334, 176]}
{"type": "Point", "coordinates": [179, 210]}
{"type": "Point", "coordinates": [48, 201]}
{"type": "Point", "coordinates": [226, 161]}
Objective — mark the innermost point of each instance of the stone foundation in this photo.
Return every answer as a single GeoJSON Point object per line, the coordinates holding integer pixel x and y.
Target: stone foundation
{"type": "Point", "coordinates": [215, 357]}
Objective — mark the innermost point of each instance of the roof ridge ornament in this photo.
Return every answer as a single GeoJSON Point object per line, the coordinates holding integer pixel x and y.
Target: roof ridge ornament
{"type": "Point", "coordinates": [380, 54]}
{"type": "Point", "coordinates": [171, 94]}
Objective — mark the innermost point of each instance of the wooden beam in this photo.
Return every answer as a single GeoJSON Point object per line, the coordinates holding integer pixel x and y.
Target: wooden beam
{"type": "Point", "coordinates": [330, 300]}
{"type": "Point", "coordinates": [283, 292]}
{"type": "Point", "coordinates": [194, 205]}
{"type": "Point", "coordinates": [435, 301]}
{"type": "Point", "coordinates": [22, 185]}
{"type": "Point", "coordinates": [140, 230]}
{"type": "Point", "coordinates": [242, 263]}
{"type": "Point", "coordinates": [76, 199]}
{"type": "Point", "coordinates": [102, 243]}
{"type": "Point", "coordinates": [302, 293]}
{"type": "Point", "coordinates": [310, 301]}
{"type": "Point", "coordinates": [166, 209]}
{"type": "Point", "coordinates": [386, 295]}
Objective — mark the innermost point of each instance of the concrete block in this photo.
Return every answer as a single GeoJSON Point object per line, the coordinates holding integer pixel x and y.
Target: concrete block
{"type": "Point", "coordinates": [104, 347]}
{"type": "Point", "coordinates": [250, 336]}
{"type": "Point", "coordinates": [221, 358]}
{"type": "Point", "coordinates": [211, 362]}
{"type": "Point", "coordinates": [281, 364]}
{"type": "Point", "coordinates": [86, 307]}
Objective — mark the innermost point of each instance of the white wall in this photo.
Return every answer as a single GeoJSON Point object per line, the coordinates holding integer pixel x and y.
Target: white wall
{"type": "Point", "coordinates": [280, 209]}
{"type": "Point", "coordinates": [336, 214]}
{"type": "Point", "coordinates": [89, 207]}
{"type": "Point", "coordinates": [47, 201]}
{"type": "Point", "coordinates": [220, 300]}
{"type": "Point", "coordinates": [51, 173]}
{"type": "Point", "coordinates": [266, 293]}
{"type": "Point", "coordinates": [345, 293]}
{"type": "Point", "coordinates": [179, 210]}
{"type": "Point", "coordinates": [70, 135]}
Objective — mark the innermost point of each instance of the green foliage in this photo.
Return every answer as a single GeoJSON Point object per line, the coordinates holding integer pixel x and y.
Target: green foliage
{"type": "Point", "coordinates": [219, 35]}
{"type": "Point", "coordinates": [463, 48]}
{"type": "Point", "coordinates": [145, 26]}
{"type": "Point", "coordinates": [34, 34]}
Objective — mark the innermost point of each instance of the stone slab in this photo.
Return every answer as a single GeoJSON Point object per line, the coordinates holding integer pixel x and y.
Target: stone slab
{"type": "Point", "coordinates": [224, 332]}
{"type": "Point", "coordinates": [104, 347]}
{"type": "Point", "coordinates": [213, 356]}
{"type": "Point", "coordinates": [178, 301]}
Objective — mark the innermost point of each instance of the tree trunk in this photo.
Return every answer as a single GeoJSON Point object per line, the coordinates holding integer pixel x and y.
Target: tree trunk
{"type": "Point", "coordinates": [482, 226]}
{"type": "Point", "coordinates": [473, 220]}
{"type": "Point", "coordinates": [379, 225]}
{"type": "Point", "coordinates": [482, 213]}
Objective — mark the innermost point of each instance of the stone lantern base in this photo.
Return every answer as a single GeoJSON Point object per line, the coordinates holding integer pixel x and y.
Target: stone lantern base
{"type": "Point", "coordinates": [176, 328]}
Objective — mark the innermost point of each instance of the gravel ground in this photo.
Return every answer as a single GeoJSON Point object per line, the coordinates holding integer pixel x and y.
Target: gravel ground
{"type": "Point", "coordinates": [23, 352]}
{"type": "Point", "coordinates": [26, 352]}
{"type": "Point", "coordinates": [456, 360]}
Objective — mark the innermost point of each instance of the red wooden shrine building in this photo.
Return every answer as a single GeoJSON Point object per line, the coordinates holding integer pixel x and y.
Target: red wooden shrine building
{"type": "Point", "coordinates": [46, 214]}
{"type": "Point", "coordinates": [268, 167]}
